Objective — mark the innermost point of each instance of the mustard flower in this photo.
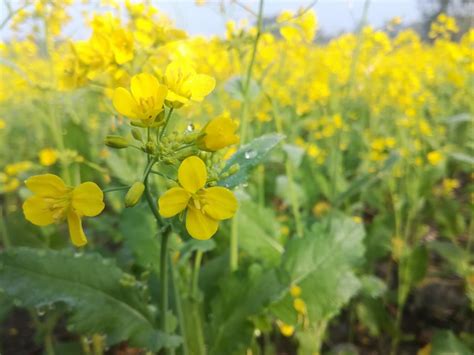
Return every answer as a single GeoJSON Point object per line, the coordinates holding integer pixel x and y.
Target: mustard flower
{"type": "Point", "coordinates": [184, 84]}
{"type": "Point", "coordinates": [53, 201]}
{"type": "Point", "coordinates": [144, 102]}
{"type": "Point", "coordinates": [205, 207]}
{"type": "Point", "coordinates": [218, 133]}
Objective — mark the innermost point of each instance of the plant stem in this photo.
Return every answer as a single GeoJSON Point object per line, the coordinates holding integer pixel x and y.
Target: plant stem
{"type": "Point", "coordinates": [195, 278]}
{"type": "Point", "coordinates": [248, 78]}
{"type": "Point", "coordinates": [164, 281]}
{"type": "Point", "coordinates": [234, 237]}
{"type": "Point", "coordinates": [163, 130]}
{"type": "Point", "coordinates": [234, 243]}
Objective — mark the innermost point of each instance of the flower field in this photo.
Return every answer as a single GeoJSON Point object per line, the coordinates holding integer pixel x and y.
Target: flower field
{"type": "Point", "coordinates": [255, 192]}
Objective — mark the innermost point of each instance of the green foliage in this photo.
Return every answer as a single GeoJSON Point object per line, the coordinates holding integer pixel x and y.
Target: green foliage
{"type": "Point", "coordinates": [322, 264]}
{"type": "Point", "coordinates": [93, 288]}
{"type": "Point", "coordinates": [248, 157]}
{"type": "Point", "coordinates": [445, 342]}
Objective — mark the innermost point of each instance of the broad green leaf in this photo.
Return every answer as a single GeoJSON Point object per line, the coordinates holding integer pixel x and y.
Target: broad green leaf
{"type": "Point", "coordinates": [322, 264]}
{"type": "Point", "coordinates": [457, 257]}
{"type": "Point", "coordinates": [445, 342]}
{"type": "Point", "coordinates": [240, 298]}
{"type": "Point", "coordinates": [249, 156]}
{"type": "Point", "coordinates": [139, 230]}
{"type": "Point", "coordinates": [258, 232]}
{"type": "Point", "coordinates": [283, 189]}
{"type": "Point", "coordinates": [90, 286]}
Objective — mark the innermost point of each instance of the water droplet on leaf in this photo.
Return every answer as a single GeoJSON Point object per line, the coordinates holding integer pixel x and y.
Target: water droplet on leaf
{"type": "Point", "coordinates": [190, 128]}
{"type": "Point", "coordinates": [250, 154]}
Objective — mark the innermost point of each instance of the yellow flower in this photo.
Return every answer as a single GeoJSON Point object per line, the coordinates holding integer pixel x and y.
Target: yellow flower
{"type": "Point", "coordinates": [122, 46]}
{"type": "Point", "coordinates": [184, 84]}
{"type": "Point", "coordinates": [434, 157]}
{"type": "Point", "coordinates": [205, 206]}
{"type": "Point", "coordinates": [285, 329]}
{"type": "Point", "coordinates": [2, 123]}
{"type": "Point", "coordinates": [295, 291]}
{"type": "Point", "coordinates": [53, 201]}
{"type": "Point", "coordinates": [321, 208]}
{"type": "Point", "coordinates": [144, 102]}
{"type": "Point", "coordinates": [48, 156]}
{"type": "Point", "coordinates": [219, 133]}
{"type": "Point", "coordinates": [299, 305]}
{"type": "Point", "coordinates": [18, 168]}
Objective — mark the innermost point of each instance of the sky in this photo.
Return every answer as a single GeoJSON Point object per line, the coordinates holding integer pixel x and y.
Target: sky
{"type": "Point", "coordinates": [334, 16]}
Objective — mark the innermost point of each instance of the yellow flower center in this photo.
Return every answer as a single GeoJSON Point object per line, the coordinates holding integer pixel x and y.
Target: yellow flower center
{"type": "Point", "coordinates": [59, 206]}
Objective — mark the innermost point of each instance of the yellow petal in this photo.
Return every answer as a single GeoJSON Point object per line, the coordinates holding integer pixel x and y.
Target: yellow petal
{"type": "Point", "coordinates": [88, 199]}
{"type": "Point", "coordinates": [220, 203]}
{"type": "Point", "coordinates": [160, 95]}
{"type": "Point", "coordinates": [201, 85]}
{"type": "Point", "coordinates": [47, 185]}
{"type": "Point", "coordinates": [144, 85]}
{"type": "Point", "coordinates": [76, 233]}
{"type": "Point", "coordinates": [200, 226]}
{"type": "Point", "coordinates": [36, 210]}
{"type": "Point", "coordinates": [173, 202]}
{"type": "Point", "coordinates": [192, 174]}
{"type": "Point", "coordinates": [124, 103]}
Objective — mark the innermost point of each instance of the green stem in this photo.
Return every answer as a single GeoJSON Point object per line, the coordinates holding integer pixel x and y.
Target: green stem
{"type": "Point", "coordinates": [195, 278]}
{"type": "Point", "coordinates": [163, 130]}
{"type": "Point", "coordinates": [245, 115]}
{"type": "Point", "coordinates": [3, 231]}
{"type": "Point", "coordinates": [179, 308]}
{"type": "Point", "coordinates": [164, 281]}
{"type": "Point", "coordinates": [234, 243]}
{"type": "Point", "coordinates": [295, 206]}
{"type": "Point", "coordinates": [116, 188]}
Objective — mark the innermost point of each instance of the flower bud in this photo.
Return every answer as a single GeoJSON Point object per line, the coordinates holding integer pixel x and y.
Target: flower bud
{"type": "Point", "coordinates": [234, 169]}
{"type": "Point", "coordinates": [134, 194]}
{"type": "Point", "coordinates": [116, 142]}
{"type": "Point", "coordinates": [137, 134]}
{"type": "Point", "coordinates": [150, 147]}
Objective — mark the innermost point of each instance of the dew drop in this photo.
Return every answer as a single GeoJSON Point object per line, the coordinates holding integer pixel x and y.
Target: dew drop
{"type": "Point", "coordinates": [250, 154]}
{"type": "Point", "coordinates": [40, 311]}
{"type": "Point", "coordinates": [190, 128]}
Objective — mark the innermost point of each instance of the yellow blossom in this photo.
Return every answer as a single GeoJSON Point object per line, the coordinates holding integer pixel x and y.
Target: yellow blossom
{"type": "Point", "coordinates": [205, 206]}
{"type": "Point", "coordinates": [295, 291]}
{"type": "Point", "coordinates": [219, 133]}
{"type": "Point", "coordinates": [145, 100]}
{"type": "Point", "coordinates": [53, 201]}
{"type": "Point", "coordinates": [285, 329]}
{"type": "Point", "coordinates": [321, 208]}
{"type": "Point", "coordinates": [2, 123]}
{"type": "Point", "coordinates": [434, 157]}
{"type": "Point", "coordinates": [184, 84]}
{"type": "Point", "coordinates": [299, 305]}
{"type": "Point", "coordinates": [48, 156]}
{"type": "Point", "coordinates": [18, 168]}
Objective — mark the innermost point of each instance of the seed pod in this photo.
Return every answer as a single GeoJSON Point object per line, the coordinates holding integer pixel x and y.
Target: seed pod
{"type": "Point", "coordinates": [137, 134]}
{"type": "Point", "coordinates": [117, 142]}
{"type": "Point", "coordinates": [134, 194]}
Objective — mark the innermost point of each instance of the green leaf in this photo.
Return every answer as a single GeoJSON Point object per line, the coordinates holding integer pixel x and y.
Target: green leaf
{"type": "Point", "coordinates": [462, 157]}
{"type": "Point", "coordinates": [322, 264]}
{"type": "Point", "coordinates": [445, 342]}
{"type": "Point", "coordinates": [235, 87]}
{"type": "Point", "coordinates": [90, 286]}
{"type": "Point", "coordinates": [459, 118]}
{"type": "Point", "coordinates": [366, 180]}
{"type": "Point", "coordinates": [416, 265]}
{"type": "Point", "coordinates": [372, 286]}
{"type": "Point", "coordinates": [249, 156]}
{"type": "Point", "coordinates": [239, 299]}
{"type": "Point", "coordinates": [139, 230]}
{"type": "Point", "coordinates": [258, 232]}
